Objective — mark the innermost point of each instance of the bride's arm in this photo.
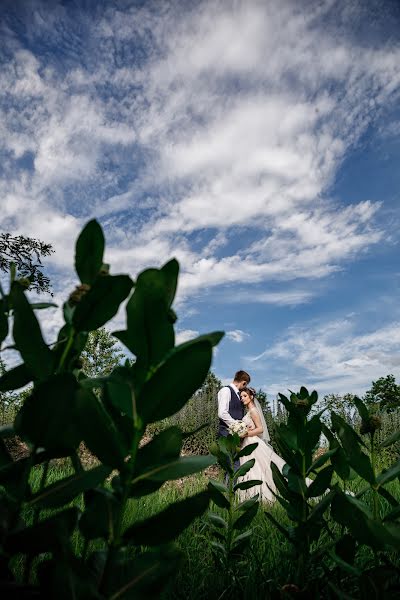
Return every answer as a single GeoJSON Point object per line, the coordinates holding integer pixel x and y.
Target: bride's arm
{"type": "Point", "coordinates": [258, 429]}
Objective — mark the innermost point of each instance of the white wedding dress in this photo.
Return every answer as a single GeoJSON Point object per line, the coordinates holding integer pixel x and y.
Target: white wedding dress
{"type": "Point", "coordinates": [263, 455]}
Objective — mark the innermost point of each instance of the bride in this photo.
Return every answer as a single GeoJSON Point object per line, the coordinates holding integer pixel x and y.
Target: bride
{"type": "Point", "coordinates": [263, 454]}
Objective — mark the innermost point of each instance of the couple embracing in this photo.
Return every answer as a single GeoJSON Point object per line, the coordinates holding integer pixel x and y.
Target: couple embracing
{"type": "Point", "coordinates": [238, 402]}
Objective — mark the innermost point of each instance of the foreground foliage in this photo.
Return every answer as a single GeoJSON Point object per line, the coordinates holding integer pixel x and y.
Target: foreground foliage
{"type": "Point", "coordinates": [334, 566]}
{"type": "Point", "coordinates": [131, 559]}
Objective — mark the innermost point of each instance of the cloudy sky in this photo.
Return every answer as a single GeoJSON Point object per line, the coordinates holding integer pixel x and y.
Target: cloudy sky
{"type": "Point", "coordinates": [257, 142]}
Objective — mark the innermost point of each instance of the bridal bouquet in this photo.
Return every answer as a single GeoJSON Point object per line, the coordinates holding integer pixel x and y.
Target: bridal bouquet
{"type": "Point", "coordinates": [238, 427]}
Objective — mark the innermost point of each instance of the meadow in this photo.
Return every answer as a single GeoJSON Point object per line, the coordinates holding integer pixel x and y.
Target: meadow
{"type": "Point", "coordinates": [268, 564]}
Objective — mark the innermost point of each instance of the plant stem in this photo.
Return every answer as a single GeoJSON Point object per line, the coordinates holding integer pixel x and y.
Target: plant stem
{"type": "Point", "coordinates": [67, 349]}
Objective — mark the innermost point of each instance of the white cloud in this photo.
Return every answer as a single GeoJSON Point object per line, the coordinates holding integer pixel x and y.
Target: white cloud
{"type": "Point", "coordinates": [230, 116]}
{"type": "Point", "coordinates": [237, 335]}
{"type": "Point", "coordinates": [184, 335]}
{"type": "Point", "coordinates": [331, 356]}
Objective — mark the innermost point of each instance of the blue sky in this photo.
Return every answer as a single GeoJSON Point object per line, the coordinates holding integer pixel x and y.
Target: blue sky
{"type": "Point", "coordinates": [257, 142]}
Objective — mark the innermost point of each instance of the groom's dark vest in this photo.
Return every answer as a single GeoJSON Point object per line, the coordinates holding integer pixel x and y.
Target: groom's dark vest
{"type": "Point", "coordinates": [235, 409]}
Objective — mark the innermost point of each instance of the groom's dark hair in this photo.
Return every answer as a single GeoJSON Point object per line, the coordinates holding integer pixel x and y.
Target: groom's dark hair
{"type": "Point", "coordinates": [242, 376]}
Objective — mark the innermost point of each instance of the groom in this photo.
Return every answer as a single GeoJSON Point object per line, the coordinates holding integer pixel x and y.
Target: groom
{"type": "Point", "coordinates": [230, 407]}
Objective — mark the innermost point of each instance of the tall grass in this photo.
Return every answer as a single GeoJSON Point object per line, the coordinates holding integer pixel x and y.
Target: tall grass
{"type": "Point", "coordinates": [268, 563]}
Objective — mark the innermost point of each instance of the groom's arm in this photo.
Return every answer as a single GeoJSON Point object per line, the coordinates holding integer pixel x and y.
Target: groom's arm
{"type": "Point", "coordinates": [224, 397]}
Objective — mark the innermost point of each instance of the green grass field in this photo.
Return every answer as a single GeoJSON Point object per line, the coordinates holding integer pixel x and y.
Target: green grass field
{"type": "Point", "coordinates": [268, 560]}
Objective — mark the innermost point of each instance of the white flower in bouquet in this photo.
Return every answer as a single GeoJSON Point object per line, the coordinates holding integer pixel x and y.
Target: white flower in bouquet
{"type": "Point", "coordinates": [238, 427]}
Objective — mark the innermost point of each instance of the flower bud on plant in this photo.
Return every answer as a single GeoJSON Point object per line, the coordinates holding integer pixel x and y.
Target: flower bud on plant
{"type": "Point", "coordinates": [24, 282]}
{"type": "Point", "coordinates": [78, 293]}
{"type": "Point", "coordinates": [373, 423]}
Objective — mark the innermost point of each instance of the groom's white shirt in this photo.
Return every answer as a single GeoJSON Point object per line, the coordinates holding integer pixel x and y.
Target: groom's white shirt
{"type": "Point", "coordinates": [224, 397]}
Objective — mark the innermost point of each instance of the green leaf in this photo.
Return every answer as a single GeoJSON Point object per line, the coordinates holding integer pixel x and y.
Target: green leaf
{"type": "Point", "coordinates": [51, 534]}
{"type": "Point", "coordinates": [244, 468]}
{"type": "Point", "coordinates": [247, 450]}
{"type": "Point", "coordinates": [166, 445]}
{"type": "Point", "coordinates": [37, 356]}
{"type": "Point", "coordinates": [150, 333]}
{"type": "Point", "coordinates": [167, 390]}
{"type": "Point", "coordinates": [246, 504]}
{"type": "Point", "coordinates": [389, 474]}
{"type": "Point", "coordinates": [217, 496]}
{"type": "Point", "coordinates": [219, 486]}
{"type": "Point", "coordinates": [246, 517]}
{"type": "Point", "coordinates": [278, 525]}
{"type": "Point", "coordinates": [351, 443]}
{"type": "Point", "coordinates": [319, 509]}
{"type": "Point", "coordinates": [175, 469]}
{"type": "Point", "coordinates": [98, 431]}
{"type": "Point", "coordinates": [3, 321]}
{"type": "Point", "coordinates": [345, 566]}
{"type": "Point", "coordinates": [388, 496]}
{"type": "Point", "coordinates": [48, 418]}
{"type": "Point", "coordinates": [321, 483]}
{"type": "Point", "coordinates": [100, 514]}
{"type": "Point", "coordinates": [101, 302]}
{"type": "Point", "coordinates": [321, 460]}
{"type": "Point", "coordinates": [242, 539]}
{"type": "Point", "coordinates": [391, 439]}
{"type": "Point", "coordinates": [353, 514]}
{"type": "Point", "coordinates": [43, 305]}
{"type": "Point", "coordinates": [169, 523]}
{"type": "Point", "coordinates": [246, 485]}
{"type": "Point", "coordinates": [141, 577]}
{"type": "Point", "coordinates": [120, 396]}
{"type": "Point", "coordinates": [15, 378]}
{"type": "Point", "coordinates": [89, 252]}
{"type": "Point", "coordinates": [217, 520]}
{"type": "Point", "coordinates": [362, 409]}
{"type": "Point", "coordinates": [64, 490]}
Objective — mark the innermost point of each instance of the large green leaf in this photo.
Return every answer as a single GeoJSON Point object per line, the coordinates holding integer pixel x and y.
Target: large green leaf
{"type": "Point", "coordinates": [51, 534]}
{"type": "Point", "coordinates": [356, 516]}
{"type": "Point", "coordinates": [176, 468]}
{"type": "Point", "coordinates": [391, 439]}
{"type": "Point", "coordinates": [15, 378]}
{"type": "Point", "coordinates": [320, 483]}
{"type": "Point", "coordinates": [169, 523]}
{"type": "Point", "coordinates": [89, 252]}
{"type": "Point", "coordinates": [64, 490]}
{"type": "Point", "coordinates": [150, 332]}
{"type": "Point", "coordinates": [244, 468]}
{"type": "Point", "coordinates": [217, 521]}
{"type": "Point", "coordinates": [246, 485]}
{"type": "Point", "coordinates": [98, 430]}
{"type": "Point", "coordinates": [28, 338]}
{"type": "Point", "coordinates": [101, 302]}
{"type": "Point", "coordinates": [164, 446]}
{"type": "Point", "coordinates": [175, 381]}
{"type": "Point", "coordinates": [101, 509]}
{"type": "Point", "coordinates": [362, 409]}
{"type": "Point", "coordinates": [351, 442]}
{"type": "Point", "coordinates": [321, 460]}
{"type": "Point", "coordinates": [217, 496]}
{"type": "Point", "coordinates": [49, 417]}
{"type": "Point", "coordinates": [246, 517]}
{"type": "Point", "coordinates": [3, 321]}
{"type": "Point", "coordinates": [389, 474]}
{"type": "Point", "coordinates": [141, 577]}
{"type": "Point", "coordinates": [247, 450]}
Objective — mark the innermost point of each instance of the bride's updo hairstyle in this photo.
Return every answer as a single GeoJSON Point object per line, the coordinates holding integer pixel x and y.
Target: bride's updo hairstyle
{"type": "Point", "coordinates": [250, 391]}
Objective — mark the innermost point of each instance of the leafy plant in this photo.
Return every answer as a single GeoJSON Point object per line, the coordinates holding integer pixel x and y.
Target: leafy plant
{"type": "Point", "coordinates": [128, 560]}
{"type": "Point", "coordinates": [297, 440]}
{"type": "Point", "coordinates": [230, 531]}
{"type": "Point", "coordinates": [337, 549]}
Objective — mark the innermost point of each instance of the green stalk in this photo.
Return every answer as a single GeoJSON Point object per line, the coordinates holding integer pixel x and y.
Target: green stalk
{"type": "Point", "coordinates": [374, 490]}
{"type": "Point", "coordinates": [36, 514]}
{"type": "Point", "coordinates": [67, 349]}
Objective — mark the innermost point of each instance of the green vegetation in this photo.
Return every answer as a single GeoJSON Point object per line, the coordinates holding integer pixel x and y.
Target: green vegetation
{"type": "Point", "coordinates": [61, 411]}
{"type": "Point", "coordinates": [142, 521]}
